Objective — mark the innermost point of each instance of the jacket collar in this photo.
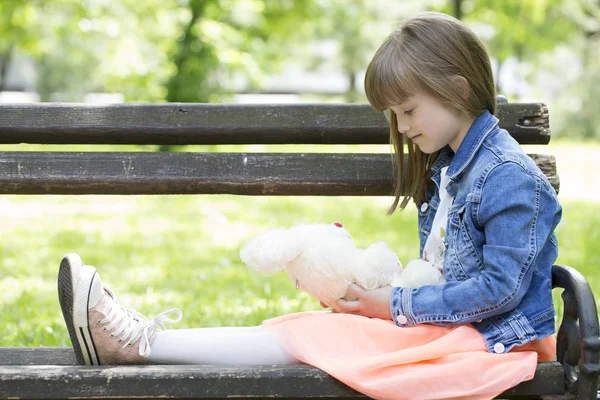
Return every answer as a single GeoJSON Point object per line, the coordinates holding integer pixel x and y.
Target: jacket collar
{"type": "Point", "coordinates": [443, 160]}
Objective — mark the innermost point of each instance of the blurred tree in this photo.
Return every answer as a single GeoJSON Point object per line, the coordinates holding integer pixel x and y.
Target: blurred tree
{"type": "Point", "coordinates": [457, 6]}
{"type": "Point", "coordinates": [139, 42]}
{"type": "Point", "coordinates": [517, 28]}
{"type": "Point", "coordinates": [61, 38]}
{"type": "Point", "coordinates": [195, 58]}
{"type": "Point", "coordinates": [15, 20]}
{"type": "Point", "coordinates": [347, 25]}
{"type": "Point", "coordinates": [222, 38]}
{"type": "Point", "coordinates": [357, 28]}
{"type": "Point", "coordinates": [203, 50]}
{"type": "Point", "coordinates": [68, 51]}
{"type": "Point", "coordinates": [174, 50]}
{"type": "Point", "coordinates": [585, 120]}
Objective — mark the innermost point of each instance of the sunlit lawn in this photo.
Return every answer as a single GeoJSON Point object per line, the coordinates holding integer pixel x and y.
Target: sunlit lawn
{"type": "Point", "coordinates": [183, 251]}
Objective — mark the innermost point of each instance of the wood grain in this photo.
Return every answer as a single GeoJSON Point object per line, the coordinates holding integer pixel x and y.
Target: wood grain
{"type": "Point", "coordinates": [190, 123]}
{"type": "Point", "coordinates": [274, 174]}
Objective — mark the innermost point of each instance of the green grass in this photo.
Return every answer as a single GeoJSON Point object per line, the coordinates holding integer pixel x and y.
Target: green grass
{"type": "Point", "coordinates": [183, 251]}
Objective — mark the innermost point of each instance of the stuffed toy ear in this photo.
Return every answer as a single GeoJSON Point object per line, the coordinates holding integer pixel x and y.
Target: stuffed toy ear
{"type": "Point", "coordinates": [270, 251]}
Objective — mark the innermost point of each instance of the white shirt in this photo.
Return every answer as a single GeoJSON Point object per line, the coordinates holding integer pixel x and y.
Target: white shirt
{"type": "Point", "coordinates": [435, 246]}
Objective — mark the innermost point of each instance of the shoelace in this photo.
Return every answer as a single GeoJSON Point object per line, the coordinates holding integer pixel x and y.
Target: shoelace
{"type": "Point", "coordinates": [134, 326]}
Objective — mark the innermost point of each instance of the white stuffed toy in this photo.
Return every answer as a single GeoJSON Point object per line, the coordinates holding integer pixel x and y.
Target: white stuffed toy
{"type": "Point", "coordinates": [322, 260]}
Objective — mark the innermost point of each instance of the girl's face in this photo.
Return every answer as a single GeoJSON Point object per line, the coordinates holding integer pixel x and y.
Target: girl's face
{"type": "Point", "coordinates": [429, 124]}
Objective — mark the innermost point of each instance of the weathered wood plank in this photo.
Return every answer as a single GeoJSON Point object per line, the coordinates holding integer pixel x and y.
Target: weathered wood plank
{"type": "Point", "coordinates": [528, 120]}
{"type": "Point", "coordinates": [205, 173]}
{"type": "Point", "coordinates": [172, 381]}
{"type": "Point", "coordinates": [189, 123]}
{"type": "Point", "coordinates": [37, 356]}
{"type": "Point", "coordinates": [201, 381]}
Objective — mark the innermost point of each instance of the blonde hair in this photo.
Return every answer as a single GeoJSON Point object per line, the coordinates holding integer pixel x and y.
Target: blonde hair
{"type": "Point", "coordinates": [425, 54]}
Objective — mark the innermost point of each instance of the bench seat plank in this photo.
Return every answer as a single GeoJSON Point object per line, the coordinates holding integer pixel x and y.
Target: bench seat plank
{"type": "Point", "coordinates": [190, 123]}
{"type": "Point", "coordinates": [205, 173]}
{"type": "Point", "coordinates": [32, 373]}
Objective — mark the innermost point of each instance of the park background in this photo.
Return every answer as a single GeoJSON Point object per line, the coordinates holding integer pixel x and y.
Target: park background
{"type": "Point", "coordinates": [159, 252]}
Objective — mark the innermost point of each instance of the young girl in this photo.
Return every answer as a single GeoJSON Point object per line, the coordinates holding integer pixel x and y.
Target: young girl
{"type": "Point", "coordinates": [487, 216]}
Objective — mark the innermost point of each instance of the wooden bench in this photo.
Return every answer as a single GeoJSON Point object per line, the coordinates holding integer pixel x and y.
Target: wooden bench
{"type": "Point", "coordinates": [51, 373]}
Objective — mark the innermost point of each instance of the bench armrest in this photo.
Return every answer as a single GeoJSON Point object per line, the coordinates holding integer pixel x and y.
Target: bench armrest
{"type": "Point", "coordinates": [578, 342]}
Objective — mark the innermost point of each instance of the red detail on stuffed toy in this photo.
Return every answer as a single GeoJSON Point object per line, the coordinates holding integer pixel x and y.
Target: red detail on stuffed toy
{"type": "Point", "coordinates": [338, 225]}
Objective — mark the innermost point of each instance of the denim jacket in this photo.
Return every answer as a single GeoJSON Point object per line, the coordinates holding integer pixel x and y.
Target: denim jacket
{"type": "Point", "coordinates": [500, 243]}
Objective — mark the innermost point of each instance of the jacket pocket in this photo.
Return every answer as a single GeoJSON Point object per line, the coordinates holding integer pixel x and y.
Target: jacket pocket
{"type": "Point", "coordinates": [466, 263]}
{"type": "Point", "coordinates": [457, 216]}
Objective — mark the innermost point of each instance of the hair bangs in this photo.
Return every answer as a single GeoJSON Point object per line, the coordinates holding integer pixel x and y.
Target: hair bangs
{"type": "Point", "coordinates": [389, 80]}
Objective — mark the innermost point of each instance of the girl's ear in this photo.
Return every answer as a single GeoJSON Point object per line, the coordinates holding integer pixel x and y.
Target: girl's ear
{"type": "Point", "coordinates": [462, 85]}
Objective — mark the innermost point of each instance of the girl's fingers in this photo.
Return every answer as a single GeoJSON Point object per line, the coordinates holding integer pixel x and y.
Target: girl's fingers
{"type": "Point", "coordinates": [333, 310]}
{"type": "Point", "coordinates": [348, 306]}
{"type": "Point", "coordinates": [355, 290]}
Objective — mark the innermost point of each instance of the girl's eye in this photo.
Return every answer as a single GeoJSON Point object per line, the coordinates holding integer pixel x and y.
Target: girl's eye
{"type": "Point", "coordinates": [408, 112]}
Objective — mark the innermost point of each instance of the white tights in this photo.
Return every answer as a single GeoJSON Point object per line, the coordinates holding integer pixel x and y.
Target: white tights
{"type": "Point", "coordinates": [224, 346]}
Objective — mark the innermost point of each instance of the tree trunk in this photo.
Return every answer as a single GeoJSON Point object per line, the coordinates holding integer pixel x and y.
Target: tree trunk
{"type": "Point", "coordinates": [589, 122]}
{"type": "Point", "coordinates": [4, 63]}
{"type": "Point", "coordinates": [183, 86]}
{"type": "Point", "coordinates": [458, 9]}
{"type": "Point", "coordinates": [499, 87]}
{"type": "Point", "coordinates": [352, 94]}
{"type": "Point", "coordinates": [183, 52]}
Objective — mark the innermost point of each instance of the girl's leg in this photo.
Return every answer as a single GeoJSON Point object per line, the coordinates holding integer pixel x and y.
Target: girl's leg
{"type": "Point", "coordinates": [225, 346]}
{"type": "Point", "coordinates": [104, 332]}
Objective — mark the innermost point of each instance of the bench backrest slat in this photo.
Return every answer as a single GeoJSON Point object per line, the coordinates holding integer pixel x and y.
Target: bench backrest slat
{"type": "Point", "coordinates": [205, 173]}
{"type": "Point", "coordinates": [189, 123]}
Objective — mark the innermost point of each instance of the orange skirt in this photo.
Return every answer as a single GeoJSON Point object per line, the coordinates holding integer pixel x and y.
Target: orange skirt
{"type": "Point", "coordinates": [384, 361]}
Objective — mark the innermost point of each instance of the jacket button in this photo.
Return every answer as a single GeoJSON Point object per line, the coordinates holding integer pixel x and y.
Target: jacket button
{"type": "Point", "coordinates": [401, 319]}
{"type": "Point", "coordinates": [424, 207]}
{"type": "Point", "coordinates": [479, 321]}
{"type": "Point", "coordinates": [499, 348]}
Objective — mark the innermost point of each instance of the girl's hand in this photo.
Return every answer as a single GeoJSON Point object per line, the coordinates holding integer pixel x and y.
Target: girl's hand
{"type": "Point", "coordinates": [333, 310]}
{"type": "Point", "coordinates": [370, 303]}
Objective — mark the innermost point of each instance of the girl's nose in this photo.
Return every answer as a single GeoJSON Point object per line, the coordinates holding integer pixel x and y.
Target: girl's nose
{"type": "Point", "coordinates": [403, 128]}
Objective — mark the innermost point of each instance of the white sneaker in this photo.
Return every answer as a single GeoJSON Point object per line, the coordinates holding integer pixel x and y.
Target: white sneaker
{"type": "Point", "coordinates": [103, 331]}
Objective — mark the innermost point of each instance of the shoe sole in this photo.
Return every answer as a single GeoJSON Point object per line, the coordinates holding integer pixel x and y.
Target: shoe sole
{"type": "Point", "coordinates": [74, 283]}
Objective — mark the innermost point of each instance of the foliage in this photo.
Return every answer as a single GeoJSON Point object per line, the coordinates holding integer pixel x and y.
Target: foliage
{"type": "Point", "coordinates": [351, 25]}
{"type": "Point", "coordinates": [222, 38]}
{"type": "Point", "coordinates": [524, 28]}
{"type": "Point", "coordinates": [68, 51]}
{"type": "Point", "coordinates": [174, 50]}
{"type": "Point", "coordinates": [15, 35]}
{"type": "Point", "coordinates": [521, 29]}
{"type": "Point", "coordinates": [584, 121]}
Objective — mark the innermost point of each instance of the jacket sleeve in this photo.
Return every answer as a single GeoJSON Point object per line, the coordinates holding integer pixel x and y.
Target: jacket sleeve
{"type": "Point", "coordinates": [517, 213]}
